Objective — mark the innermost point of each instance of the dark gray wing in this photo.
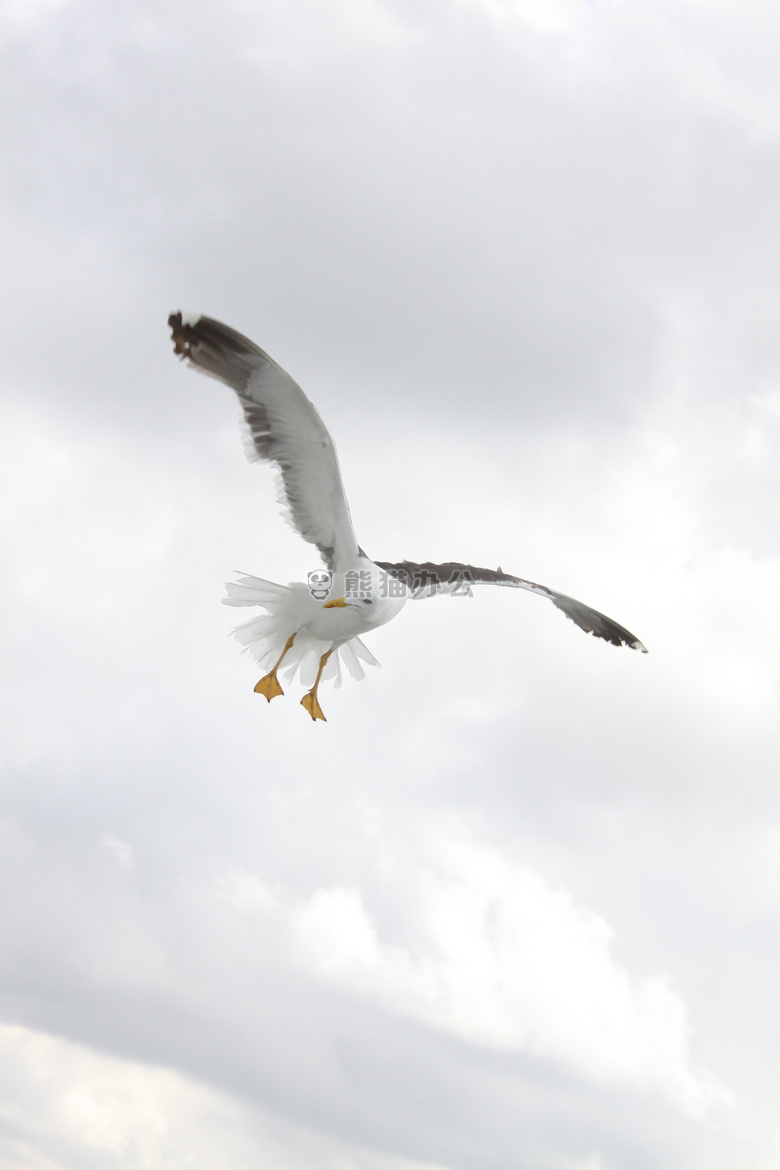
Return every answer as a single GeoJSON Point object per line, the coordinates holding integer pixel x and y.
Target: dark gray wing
{"type": "Point", "coordinates": [284, 428]}
{"type": "Point", "coordinates": [426, 580]}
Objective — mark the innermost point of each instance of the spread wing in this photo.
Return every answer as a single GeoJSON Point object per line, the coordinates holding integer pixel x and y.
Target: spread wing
{"type": "Point", "coordinates": [426, 580]}
{"type": "Point", "coordinates": [284, 429]}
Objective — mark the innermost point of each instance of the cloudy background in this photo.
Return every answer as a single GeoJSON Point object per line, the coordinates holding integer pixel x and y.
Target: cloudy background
{"type": "Point", "coordinates": [516, 904]}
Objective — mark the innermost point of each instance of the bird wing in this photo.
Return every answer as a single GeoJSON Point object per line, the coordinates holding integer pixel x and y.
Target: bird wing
{"type": "Point", "coordinates": [426, 580]}
{"type": "Point", "coordinates": [284, 428]}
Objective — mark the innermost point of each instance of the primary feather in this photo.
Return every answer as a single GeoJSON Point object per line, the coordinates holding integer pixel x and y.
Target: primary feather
{"type": "Point", "coordinates": [284, 428]}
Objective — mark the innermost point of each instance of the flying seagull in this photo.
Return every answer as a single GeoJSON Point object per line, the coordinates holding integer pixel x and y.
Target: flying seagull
{"type": "Point", "coordinates": [315, 626]}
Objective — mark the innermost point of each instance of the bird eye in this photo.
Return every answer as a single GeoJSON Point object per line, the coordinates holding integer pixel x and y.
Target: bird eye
{"type": "Point", "coordinates": [367, 601]}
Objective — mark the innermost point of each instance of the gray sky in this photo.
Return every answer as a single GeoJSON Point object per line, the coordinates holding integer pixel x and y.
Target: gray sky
{"type": "Point", "coordinates": [516, 904]}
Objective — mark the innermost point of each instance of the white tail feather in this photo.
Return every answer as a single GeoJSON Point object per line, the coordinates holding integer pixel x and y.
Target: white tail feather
{"type": "Point", "coordinates": [265, 637]}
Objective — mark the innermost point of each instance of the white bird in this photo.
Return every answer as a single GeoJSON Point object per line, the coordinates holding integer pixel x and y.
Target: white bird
{"type": "Point", "coordinates": [316, 626]}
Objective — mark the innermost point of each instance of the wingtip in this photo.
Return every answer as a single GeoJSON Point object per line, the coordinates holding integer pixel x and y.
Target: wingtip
{"type": "Point", "coordinates": [176, 323]}
{"type": "Point", "coordinates": [637, 645]}
{"type": "Point", "coordinates": [182, 325]}
{"type": "Point", "coordinates": [182, 317]}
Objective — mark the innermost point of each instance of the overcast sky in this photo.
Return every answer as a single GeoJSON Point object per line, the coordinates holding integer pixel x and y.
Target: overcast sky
{"type": "Point", "coordinates": [515, 906]}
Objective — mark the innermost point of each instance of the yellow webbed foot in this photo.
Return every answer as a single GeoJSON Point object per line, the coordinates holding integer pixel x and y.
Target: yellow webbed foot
{"type": "Point", "coordinates": [311, 703]}
{"type": "Point", "coordinates": [269, 686]}
{"type": "Point", "coordinates": [309, 700]}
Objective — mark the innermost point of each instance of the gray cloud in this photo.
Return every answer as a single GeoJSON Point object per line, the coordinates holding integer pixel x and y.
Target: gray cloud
{"type": "Point", "coordinates": [523, 258]}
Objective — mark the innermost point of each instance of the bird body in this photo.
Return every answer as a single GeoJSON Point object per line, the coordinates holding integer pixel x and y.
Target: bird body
{"type": "Point", "coordinates": [315, 627]}
{"type": "Point", "coordinates": [293, 609]}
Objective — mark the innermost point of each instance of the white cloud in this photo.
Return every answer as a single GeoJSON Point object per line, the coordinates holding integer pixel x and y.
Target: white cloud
{"type": "Point", "coordinates": [506, 961]}
{"type": "Point", "coordinates": [545, 16]}
{"type": "Point", "coordinates": [121, 851]}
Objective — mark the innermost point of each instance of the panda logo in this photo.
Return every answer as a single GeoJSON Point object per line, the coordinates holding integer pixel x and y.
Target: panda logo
{"type": "Point", "coordinates": [320, 582]}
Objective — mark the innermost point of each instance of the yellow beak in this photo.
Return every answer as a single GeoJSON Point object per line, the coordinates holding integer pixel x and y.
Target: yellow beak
{"type": "Point", "coordinates": [336, 603]}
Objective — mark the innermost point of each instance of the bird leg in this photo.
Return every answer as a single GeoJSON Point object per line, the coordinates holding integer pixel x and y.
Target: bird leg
{"type": "Point", "coordinates": [309, 700]}
{"type": "Point", "coordinates": [269, 684]}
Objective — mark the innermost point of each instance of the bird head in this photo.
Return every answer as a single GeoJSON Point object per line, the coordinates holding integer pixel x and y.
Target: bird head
{"type": "Point", "coordinates": [366, 589]}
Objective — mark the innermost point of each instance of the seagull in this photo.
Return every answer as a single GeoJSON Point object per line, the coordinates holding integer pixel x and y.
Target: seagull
{"type": "Point", "coordinates": [315, 626]}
